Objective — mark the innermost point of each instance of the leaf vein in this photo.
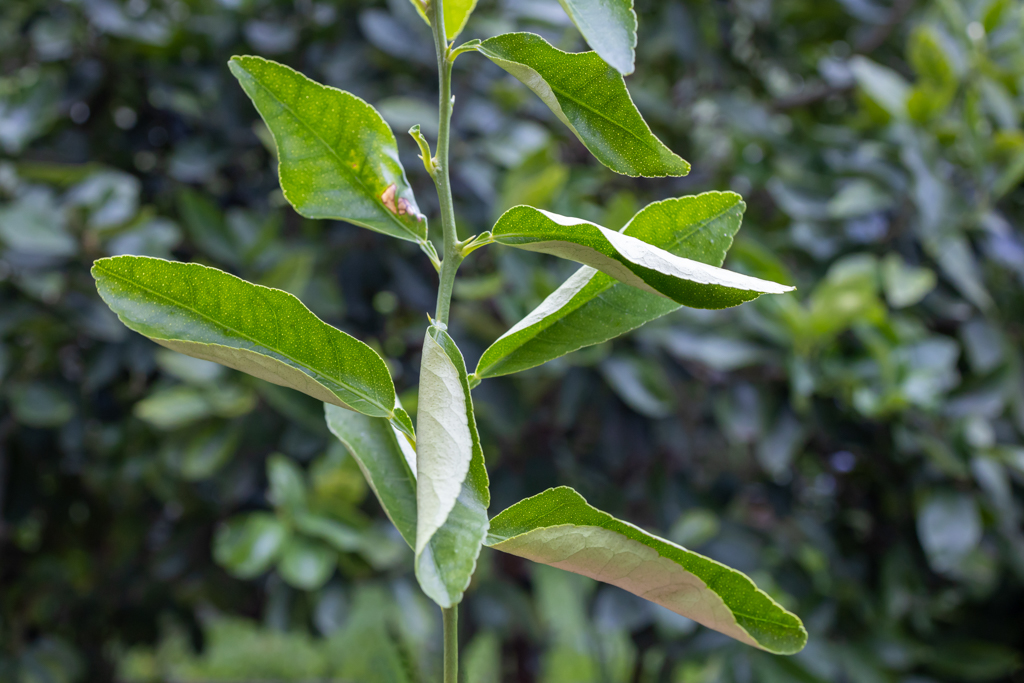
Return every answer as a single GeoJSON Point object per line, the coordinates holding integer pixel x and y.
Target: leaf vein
{"type": "Point", "coordinates": [200, 314]}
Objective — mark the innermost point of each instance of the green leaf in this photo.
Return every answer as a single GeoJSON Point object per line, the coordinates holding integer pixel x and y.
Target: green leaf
{"type": "Point", "coordinates": [206, 313]}
{"type": "Point", "coordinates": [338, 158]}
{"type": "Point", "coordinates": [208, 451]}
{"type": "Point", "coordinates": [591, 307]}
{"type": "Point", "coordinates": [628, 259]}
{"type": "Point", "coordinates": [306, 564]}
{"type": "Point", "coordinates": [35, 224]}
{"type": "Point", "coordinates": [905, 285]}
{"type": "Point", "coordinates": [641, 385]}
{"type": "Point", "coordinates": [180, 405]}
{"type": "Point", "coordinates": [451, 494]}
{"type": "Point", "coordinates": [482, 661]}
{"type": "Point", "coordinates": [247, 545]}
{"type": "Point", "coordinates": [928, 57]}
{"type": "Point", "coordinates": [887, 88]}
{"type": "Point", "coordinates": [206, 227]}
{"type": "Point", "coordinates": [370, 647]}
{"type": "Point", "coordinates": [589, 97]}
{"type": "Point", "coordinates": [559, 528]}
{"type": "Point", "coordinates": [387, 461]}
{"type": "Point", "coordinates": [456, 14]}
{"type": "Point", "coordinates": [39, 405]}
{"type": "Point", "coordinates": [287, 484]}
{"type": "Point", "coordinates": [334, 533]}
{"type": "Point", "coordinates": [609, 27]}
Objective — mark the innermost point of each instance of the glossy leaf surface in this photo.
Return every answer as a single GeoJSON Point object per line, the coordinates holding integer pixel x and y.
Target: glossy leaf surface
{"type": "Point", "coordinates": [452, 489]}
{"type": "Point", "coordinates": [456, 14]}
{"type": "Point", "coordinates": [338, 159]}
{"type": "Point", "coordinates": [558, 528]}
{"type": "Point", "coordinates": [207, 313]}
{"type": "Point", "coordinates": [589, 97]}
{"type": "Point", "coordinates": [609, 26]}
{"type": "Point", "coordinates": [591, 307]}
{"type": "Point", "coordinates": [628, 259]}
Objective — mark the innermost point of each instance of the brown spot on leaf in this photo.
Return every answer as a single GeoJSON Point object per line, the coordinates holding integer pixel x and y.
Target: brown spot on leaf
{"type": "Point", "coordinates": [389, 198]}
{"type": "Point", "coordinates": [403, 207]}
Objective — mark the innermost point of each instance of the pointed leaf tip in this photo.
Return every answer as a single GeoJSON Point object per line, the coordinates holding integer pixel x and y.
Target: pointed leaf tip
{"type": "Point", "coordinates": [558, 528]}
{"type": "Point", "coordinates": [456, 15]}
{"type": "Point", "coordinates": [590, 97]}
{"type": "Point", "coordinates": [591, 307]}
{"type": "Point", "coordinates": [629, 260]}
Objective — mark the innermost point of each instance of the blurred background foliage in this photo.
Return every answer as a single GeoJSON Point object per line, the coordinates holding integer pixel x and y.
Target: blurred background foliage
{"type": "Point", "coordinates": [857, 446]}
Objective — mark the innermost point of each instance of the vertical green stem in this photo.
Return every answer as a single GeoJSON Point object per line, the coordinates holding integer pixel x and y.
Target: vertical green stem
{"type": "Point", "coordinates": [449, 266]}
{"type": "Point", "coordinates": [452, 253]}
{"type": "Point", "coordinates": [451, 644]}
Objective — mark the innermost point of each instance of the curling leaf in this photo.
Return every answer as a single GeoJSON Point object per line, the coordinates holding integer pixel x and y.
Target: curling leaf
{"type": "Point", "coordinates": [387, 460]}
{"type": "Point", "coordinates": [558, 528]}
{"type": "Point", "coordinates": [452, 489]}
{"type": "Point", "coordinates": [591, 307]}
{"type": "Point", "coordinates": [629, 259]}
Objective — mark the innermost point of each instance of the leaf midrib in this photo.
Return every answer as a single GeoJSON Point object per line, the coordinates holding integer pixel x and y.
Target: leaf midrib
{"type": "Point", "coordinates": [644, 142]}
{"type": "Point", "coordinates": [351, 388]}
{"type": "Point", "coordinates": [559, 91]}
{"type": "Point", "coordinates": [578, 526]}
{"type": "Point", "coordinates": [694, 229]}
{"type": "Point", "coordinates": [334, 153]}
{"type": "Point", "coordinates": [612, 282]}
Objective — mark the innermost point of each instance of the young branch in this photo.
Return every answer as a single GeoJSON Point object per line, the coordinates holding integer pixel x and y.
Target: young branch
{"type": "Point", "coordinates": [453, 256]}
{"type": "Point", "coordinates": [452, 252]}
{"type": "Point", "coordinates": [451, 644]}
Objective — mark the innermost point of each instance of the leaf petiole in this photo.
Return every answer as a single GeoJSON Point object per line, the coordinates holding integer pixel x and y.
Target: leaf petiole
{"type": "Point", "coordinates": [428, 158]}
{"type": "Point", "coordinates": [468, 46]}
{"type": "Point", "coordinates": [428, 248]}
{"type": "Point", "coordinates": [470, 245]}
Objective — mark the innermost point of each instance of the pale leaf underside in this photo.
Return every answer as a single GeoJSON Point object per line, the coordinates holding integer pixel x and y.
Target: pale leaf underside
{"type": "Point", "coordinates": [452, 489]}
{"type": "Point", "coordinates": [629, 260]}
{"type": "Point", "coordinates": [560, 529]}
{"type": "Point", "coordinates": [609, 27]}
{"type": "Point", "coordinates": [591, 307]}
{"type": "Point", "coordinates": [209, 314]}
